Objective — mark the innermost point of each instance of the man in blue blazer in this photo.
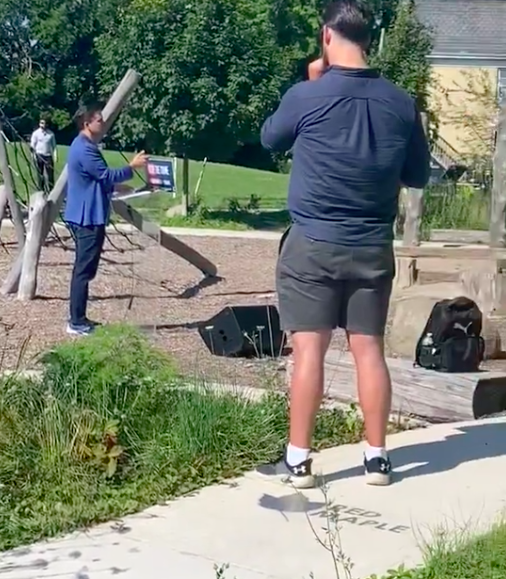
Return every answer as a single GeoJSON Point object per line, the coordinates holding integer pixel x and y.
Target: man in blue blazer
{"type": "Point", "coordinates": [91, 184]}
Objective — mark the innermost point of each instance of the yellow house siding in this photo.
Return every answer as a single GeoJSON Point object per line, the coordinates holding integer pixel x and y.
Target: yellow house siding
{"type": "Point", "coordinates": [451, 98]}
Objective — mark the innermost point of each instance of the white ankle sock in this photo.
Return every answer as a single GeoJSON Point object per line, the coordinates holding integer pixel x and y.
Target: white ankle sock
{"type": "Point", "coordinates": [375, 452]}
{"type": "Point", "coordinates": [295, 455]}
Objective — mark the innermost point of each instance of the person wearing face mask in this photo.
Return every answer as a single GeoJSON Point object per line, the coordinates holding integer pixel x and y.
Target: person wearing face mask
{"type": "Point", "coordinates": [355, 139]}
{"type": "Point", "coordinates": [91, 184]}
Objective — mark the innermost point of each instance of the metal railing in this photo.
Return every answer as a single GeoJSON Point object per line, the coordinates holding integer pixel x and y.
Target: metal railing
{"type": "Point", "coordinates": [444, 153]}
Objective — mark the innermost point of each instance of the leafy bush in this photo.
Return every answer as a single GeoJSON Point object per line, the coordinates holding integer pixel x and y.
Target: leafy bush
{"type": "Point", "coordinates": [112, 427]}
{"type": "Point", "coordinates": [108, 371]}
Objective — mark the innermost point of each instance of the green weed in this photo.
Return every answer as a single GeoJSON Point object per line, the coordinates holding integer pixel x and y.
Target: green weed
{"type": "Point", "coordinates": [112, 427]}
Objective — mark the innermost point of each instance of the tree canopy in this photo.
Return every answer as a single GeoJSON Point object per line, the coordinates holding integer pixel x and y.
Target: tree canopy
{"type": "Point", "coordinates": [211, 69]}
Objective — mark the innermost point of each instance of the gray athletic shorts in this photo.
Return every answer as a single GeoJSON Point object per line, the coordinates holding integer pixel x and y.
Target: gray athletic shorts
{"type": "Point", "coordinates": [322, 286]}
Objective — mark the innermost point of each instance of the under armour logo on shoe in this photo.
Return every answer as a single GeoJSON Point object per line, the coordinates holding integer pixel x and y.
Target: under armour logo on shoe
{"type": "Point", "coordinates": [384, 467]}
{"type": "Point", "coordinates": [299, 469]}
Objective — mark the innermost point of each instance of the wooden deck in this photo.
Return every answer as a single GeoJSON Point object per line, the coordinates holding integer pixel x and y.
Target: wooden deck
{"type": "Point", "coordinates": [433, 396]}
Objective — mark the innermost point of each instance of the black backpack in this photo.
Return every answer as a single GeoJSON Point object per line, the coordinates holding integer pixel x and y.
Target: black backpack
{"type": "Point", "coordinates": [451, 340]}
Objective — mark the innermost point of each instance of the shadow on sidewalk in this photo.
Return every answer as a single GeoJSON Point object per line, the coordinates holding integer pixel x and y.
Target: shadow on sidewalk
{"type": "Point", "coordinates": [469, 444]}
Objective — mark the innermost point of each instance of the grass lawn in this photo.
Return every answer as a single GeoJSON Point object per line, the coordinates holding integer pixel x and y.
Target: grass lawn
{"type": "Point", "coordinates": [241, 198]}
{"type": "Point", "coordinates": [111, 428]}
{"type": "Point", "coordinates": [220, 184]}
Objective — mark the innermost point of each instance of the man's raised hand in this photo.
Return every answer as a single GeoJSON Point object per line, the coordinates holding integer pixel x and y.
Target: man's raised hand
{"type": "Point", "coordinates": [316, 68]}
{"type": "Point", "coordinates": [139, 160]}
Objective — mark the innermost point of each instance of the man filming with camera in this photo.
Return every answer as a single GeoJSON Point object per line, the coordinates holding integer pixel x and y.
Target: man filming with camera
{"type": "Point", "coordinates": [355, 138]}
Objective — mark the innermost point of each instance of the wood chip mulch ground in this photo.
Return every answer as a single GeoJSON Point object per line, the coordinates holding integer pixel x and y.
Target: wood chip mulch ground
{"type": "Point", "coordinates": [142, 283]}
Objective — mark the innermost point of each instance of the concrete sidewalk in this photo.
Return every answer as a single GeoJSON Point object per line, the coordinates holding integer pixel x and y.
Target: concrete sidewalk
{"type": "Point", "coordinates": [447, 478]}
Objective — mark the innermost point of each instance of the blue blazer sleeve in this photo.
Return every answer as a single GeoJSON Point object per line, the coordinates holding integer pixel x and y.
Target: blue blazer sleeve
{"type": "Point", "coordinates": [94, 164]}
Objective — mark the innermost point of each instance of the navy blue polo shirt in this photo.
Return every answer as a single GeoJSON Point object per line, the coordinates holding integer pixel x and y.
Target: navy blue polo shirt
{"type": "Point", "coordinates": [355, 138]}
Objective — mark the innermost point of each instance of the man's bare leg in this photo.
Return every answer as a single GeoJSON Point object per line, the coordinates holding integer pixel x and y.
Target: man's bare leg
{"type": "Point", "coordinates": [306, 393]}
{"type": "Point", "coordinates": [306, 388]}
{"type": "Point", "coordinates": [375, 395]}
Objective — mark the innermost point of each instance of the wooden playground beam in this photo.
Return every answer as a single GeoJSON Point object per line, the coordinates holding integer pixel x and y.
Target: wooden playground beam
{"type": "Point", "coordinates": [414, 208]}
{"type": "Point", "coordinates": [33, 246]}
{"type": "Point", "coordinates": [7, 195]}
{"type": "Point", "coordinates": [166, 240]}
{"type": "Point", "coordinates": [3, 202]}
{"type": "Point", "coordinates": [461, 253]}
{"type": "Point", "coordinates": [497, 227]}
{"type": "Point", "coordinates": [55, 199]}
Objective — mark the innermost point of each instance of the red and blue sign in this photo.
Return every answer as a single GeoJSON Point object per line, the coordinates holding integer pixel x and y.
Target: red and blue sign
{"type": "Point", "coordinates": [161, 174]}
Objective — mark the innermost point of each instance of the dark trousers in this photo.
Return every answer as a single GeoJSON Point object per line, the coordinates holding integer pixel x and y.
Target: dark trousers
{"type": "Point", "coordinates": [89, 242]}
{"type": "Point", "coordinates": [45, 166]}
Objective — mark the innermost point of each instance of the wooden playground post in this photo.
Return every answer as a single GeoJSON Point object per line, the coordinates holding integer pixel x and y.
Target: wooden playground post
{"type": "Point", "coordinates": [407, 271]}
{"type": "Point", "coordinates": [55, 198]}
{"type": "Point", "coordinates": [497, 226]}
{"type": "Point", "coordinates": [414, 210]}
{"type": "Point", "coordinates": [8, 195]}
{"type": "Point", "coordinates": [3, 202]}
{"type": "Point", "coordinates": [414, 213]}
{"type": "Point", "coordinates": [185, 205]}
{"type": "Point", "coordinates": [34, 241]}
{"type": "Point", "coordinates": [199, 182]}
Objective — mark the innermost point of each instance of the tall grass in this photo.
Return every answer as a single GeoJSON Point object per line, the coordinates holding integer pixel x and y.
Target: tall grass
{"type": "Point", "coordinates": [463, 557]}
{"type": "Point", "coordinates": [456, 206]}
{"type": "Point", "coordinates": [112, 427]}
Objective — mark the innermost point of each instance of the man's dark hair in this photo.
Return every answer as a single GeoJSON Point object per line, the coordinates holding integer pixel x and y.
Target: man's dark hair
{"type": "Point", "coordinates": [351, 19]}
{"type": "Point", "coordinates": [86, 113]}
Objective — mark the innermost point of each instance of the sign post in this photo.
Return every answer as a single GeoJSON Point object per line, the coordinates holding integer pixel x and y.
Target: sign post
{"type": "Point", "coordinates": [186, 187]}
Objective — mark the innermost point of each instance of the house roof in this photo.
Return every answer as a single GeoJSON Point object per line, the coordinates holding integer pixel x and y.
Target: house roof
{"type": "Point", "coordinates": [466, 29]}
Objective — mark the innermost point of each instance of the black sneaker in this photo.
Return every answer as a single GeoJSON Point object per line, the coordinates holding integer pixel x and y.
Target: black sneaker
{"type": "Point", "coordinates": [378, 471]}
{"type": "Point", "coordinates": [300, 475]}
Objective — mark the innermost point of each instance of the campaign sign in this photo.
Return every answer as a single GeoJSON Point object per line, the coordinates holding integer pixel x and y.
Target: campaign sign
{"type": "Point", "coordinates": [161, 174]}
